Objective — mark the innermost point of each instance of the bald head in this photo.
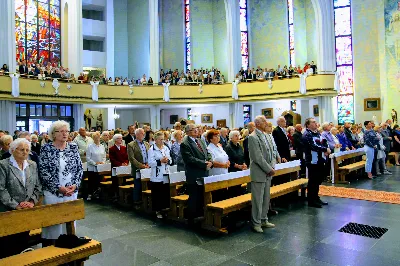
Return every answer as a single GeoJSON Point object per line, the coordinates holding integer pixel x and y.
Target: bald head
{"type": "Point", "coordinates": [251, 126]}
{"type": "Point", "coordinates": [281, 121]}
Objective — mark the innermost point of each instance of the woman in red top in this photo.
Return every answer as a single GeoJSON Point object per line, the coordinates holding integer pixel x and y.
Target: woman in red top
{"type": "Point", "coordinates": [118, 153]}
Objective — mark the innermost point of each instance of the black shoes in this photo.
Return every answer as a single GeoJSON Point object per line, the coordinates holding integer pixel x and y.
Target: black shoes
{"type": "Point", "coordinates": [322, 202]}
{"type": "Point", "coordinates": [314, 204]}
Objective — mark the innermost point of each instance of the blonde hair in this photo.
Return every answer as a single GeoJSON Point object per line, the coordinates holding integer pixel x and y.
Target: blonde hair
{"type": "Point", "coordinates": [158, 134]}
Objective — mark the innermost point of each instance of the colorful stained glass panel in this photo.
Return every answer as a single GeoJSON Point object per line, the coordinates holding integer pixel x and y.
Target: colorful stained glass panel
{"type": "Point", "coordinates": [243, 20]}
{"type": "Point", "coordinates": [187, 13]}
{"type": "Point", "coordinates": [20, 51]}
{"type": "Point", "coordinates": [43, 57]}
{"type": "Point", "coordinates": [44, 35]}
{"type": "Point", "coordinates": [344, 53]}
{"type": "Point", "coordinates": [31, 35]}
{"type": "Point", "coordinates": [244, 48]}
{"type": "Point", "coordinates": [55, 21]}
{"type": "Point", "coordinates": [55, 38]}
{"type": "Point", "coordinates": [292, 58]}
{"type": "Point", "coordinates": [290, 11]}
{"type": "Point", "coordinates": [187, 28]}
{"type": "Point", "coordinates": [245, 61]}
{"type": "Point", "coordinates": [19, 10]}
{"type": "Point", "coordinates": [31, 11]}
{"type": "Point", "coordinates": [55, 57]}
{"type": "Point", "coordinates": [187, 2]}
{"type": "Point", "coordinates": [339, 3]}
{"type": "Point", "coordinates": [44, 15]}
{"type": "Point", "coordinates": [346, 79]}
{"type": "Point", "coordinates": [20, 33]}
{"type": "Point", "coordinates": [291, 37]}
{"type": "Point", "coordinates": [243, 3]}
{"type": "Point", "coordinates": [345, 108]}
{"type": "Point", "coordinates": [55, 2]}
{"type": "Point", "coordinates": [32, 54]}
{"type": "Point", "coordinates": [342, 21]}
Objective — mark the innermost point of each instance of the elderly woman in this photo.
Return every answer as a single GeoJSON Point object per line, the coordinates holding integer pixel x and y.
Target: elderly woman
{"type": "Point", "coordinates": [105, 138]}
{"type": "Point", "coordinates": [159, 161]}
{"type": "Point", "coordinates": [176, 150]}
{"type": "Point", "coordinates": [371, 147]}
{"type": "Point", "coordinates": [346, 143]}
{"type": "Point", "coordinates": [60, 173]}
{"type": "Point", "coordinates": [167, 141]}
{"type": "Point", "coordinates": [5, 142]}
{"type": "Point", "coordinates": [95, 155]}
{"type": "Point", "coordinates": [219, 158]}
{"type": "Point", "coordinates": [118, 153]}
{"type": "Point", "coordinates": [337, 146]}
{"type": "Point", "coordinates": [380, 162]}
{"type": "Point", "coordinates": [235, 153]}
{"type": "Point", "coordinates": [290, 133]}
{"type": "Point", "coordinates": [19, 189]}
{"type": "Point", "coordinates": [35, 145]}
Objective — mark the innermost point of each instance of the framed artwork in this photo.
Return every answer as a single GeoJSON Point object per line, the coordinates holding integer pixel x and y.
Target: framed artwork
{"type": "Point", "coordinates": [372, 104]}
{"type": "Point", "coordinates": [173, 119]}
{"type": "Point", "coordinates": [293, 106]}
{"type": "Point", "coordinates": [315, 110]}
{"type": "Point", "coordinates": [268, 112]}
{"type": "Point", "coordinates": [206, 118]}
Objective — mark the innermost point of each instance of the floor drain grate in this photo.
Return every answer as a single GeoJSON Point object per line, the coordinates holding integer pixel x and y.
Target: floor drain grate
{"type": "Point", "coordinates": [363, 230]}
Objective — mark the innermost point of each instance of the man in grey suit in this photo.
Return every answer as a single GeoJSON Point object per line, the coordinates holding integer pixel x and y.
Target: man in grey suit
{"type": "Point", "coordinates": [262, 163]}
{"type": "Point", "coordinates": [196, 158]}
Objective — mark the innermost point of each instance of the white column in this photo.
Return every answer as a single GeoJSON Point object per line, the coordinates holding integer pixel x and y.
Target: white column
{"type": "Point", "coordinates": [155, 117]}
{"type": "Point", "coordinates": [154, 41]}
{"type": "Point", "coordinates": [78, 116]}
{"type": "Point", "coordinates": [326, 35]}
{"type": "Point", "coordinates": [75, 38]}
{"type": "Point", "coordinates": [326, 109]}
{"type": "Point", "coordinates": [7, 34]}
{"type": "Point", "coordinates": [110, 38]}
{"type": "Point", "coordinates": [233, 34]}
{"type": "Point", "coordinates": [8, 116]}
{"type": "Point", "coordinates": [110, 118]}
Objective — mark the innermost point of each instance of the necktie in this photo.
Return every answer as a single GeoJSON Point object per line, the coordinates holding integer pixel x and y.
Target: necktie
{"type": "Point", "coordinates": [198, 145]}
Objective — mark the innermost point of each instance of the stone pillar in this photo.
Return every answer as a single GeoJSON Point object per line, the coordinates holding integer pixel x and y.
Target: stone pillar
{"type": "Point", "coordinates": [326, 35]}
{"type": "Point", "coordinates": [154, 41]}
{"type": "Point", "coordinates": [7, 34]}
{"type": "Point", "coordinates": [75, 37]}
{"type": "Point", "coordinates": [233, 35]}
{"type": "Point", "coordinates": [155, 117]}
{"type": "Point", "coordinates": [110, 38]}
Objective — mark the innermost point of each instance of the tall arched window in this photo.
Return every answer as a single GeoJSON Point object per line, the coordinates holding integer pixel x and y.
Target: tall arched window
{"type": "Point", "coordinates": [291, 33]}
{"type": "Point", "coordinates": [244, 34]}
{"type": "Point", "coordinates": [188, 62]}
{"type": "Point", "coordinates": [38, 30]}
{"type": "Point", "coordinates": [344, 59]}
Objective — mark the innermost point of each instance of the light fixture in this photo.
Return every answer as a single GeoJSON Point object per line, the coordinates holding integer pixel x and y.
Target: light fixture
{"type": "Point", "coordinates": [116, 116]}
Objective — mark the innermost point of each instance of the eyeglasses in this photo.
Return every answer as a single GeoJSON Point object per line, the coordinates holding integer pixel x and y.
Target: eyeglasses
{"type": "Point", "coordinates": [62, 132]}
{"type": "Point", "coordinates": [23, 150]}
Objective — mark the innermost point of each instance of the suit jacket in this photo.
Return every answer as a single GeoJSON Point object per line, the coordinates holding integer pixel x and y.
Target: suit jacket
{"type": "Point", "coordinates": [282, 143]}
{"type": "Point", "coordinates": [262, 160]}
{"type": "Point", "coordinates": [298, 145]}
{"type": "Point", "coordinates": [128, 139]}
{"type": "Point", "coordinates": [118, 157]}
{"type": "Point", "coordinates": [23, 69]}
{"type": "Point", "coordinates": [246, 151]}
{"type": "Point", "coordinates": [194, 159]}
{"type": "Point", "coordinates": [37, 148]}
{"type": "Point", "coordinates": [347, 132]}
{"type": "Point", "coordinates": [12, 189]}
{"type": "Point", "coordinates": [135, 155]}
{"type": "Point", "coordinates": [223, 142]}
{"type": "Point", "coordinates": [386, 141]}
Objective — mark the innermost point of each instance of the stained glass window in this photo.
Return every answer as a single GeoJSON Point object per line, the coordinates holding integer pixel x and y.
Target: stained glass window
{"type": "Point", "coordinates": [187, 34]}
{"type": "Point", "coordinates": [344, 60]}
{"type": "Point", "coordinates": [244, 40]}
{"type": "Point", "coordinates": [38, 31]}
{"type": "Point", "coordinates": [291, 32]}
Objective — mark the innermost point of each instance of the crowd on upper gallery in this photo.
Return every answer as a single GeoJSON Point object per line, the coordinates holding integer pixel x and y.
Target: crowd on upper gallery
{"type": "Point", "coordinates": [173, 77]}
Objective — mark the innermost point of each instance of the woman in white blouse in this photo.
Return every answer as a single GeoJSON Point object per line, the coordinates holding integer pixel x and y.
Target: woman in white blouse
{"type": "Point", "coordinates": [159, 162]}
{"type": "Point", "coordinates": [219, 158]}
{"type": "Point", "coordinates": [95, 155]}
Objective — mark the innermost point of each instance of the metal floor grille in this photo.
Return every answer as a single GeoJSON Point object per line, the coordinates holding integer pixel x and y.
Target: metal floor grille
{"type": "Point", "coordinates": [363, 230]}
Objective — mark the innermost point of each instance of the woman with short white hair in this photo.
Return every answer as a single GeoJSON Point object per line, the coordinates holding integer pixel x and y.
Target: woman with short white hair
{"type": "Point", "coordinates": [5, 142]}
{"type": "Point", "coordinates": [60, 172]}
{"type": "Point", "coordinates": [235, 153]}
{"type": "Point", "coordinates": [35, 145]}
{"type": "Point", "coordinates": [19, 189]}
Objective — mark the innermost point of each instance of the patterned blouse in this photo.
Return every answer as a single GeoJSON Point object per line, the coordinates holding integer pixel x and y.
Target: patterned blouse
{"type": "Point", "coordinates": [49, 167]}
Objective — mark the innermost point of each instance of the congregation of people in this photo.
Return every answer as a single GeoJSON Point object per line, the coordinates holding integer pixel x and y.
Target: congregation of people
{"type": "Point", "coordinates": [50, 164]}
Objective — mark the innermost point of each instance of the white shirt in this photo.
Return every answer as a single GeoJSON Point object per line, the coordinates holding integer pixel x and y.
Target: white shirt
{"type": "Point", "coordinates": [95, 153]}
{"type": "Point", "coordinates": [21, 171]}
{"type": "Point", "coordinates": [217, 155]}
{"type": "Point", "coordinates": [83, 143]}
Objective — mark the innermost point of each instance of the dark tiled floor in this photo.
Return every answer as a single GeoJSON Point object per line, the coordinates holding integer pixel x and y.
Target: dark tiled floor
{"type": "Point", "coordinates": [303, 236]}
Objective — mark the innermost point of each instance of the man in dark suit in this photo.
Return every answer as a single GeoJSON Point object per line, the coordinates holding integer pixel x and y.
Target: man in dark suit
{"type": "Point", "coordinates": [223, 140]}
{"type": "Point", "coordinates": [250, 126]}
{"type": "Point", "coordinates": [23, 69]}
{"type": "Point", "coordinates": [347, 132]}
{"type": "Point", "coordinates": [196, 158]}
{"type": "Point", "coordinates": [131, 135]}
{"type": "Point", "coordinates": [137, 154]}
{"type": "Point", "coordinates": [298, 147]}
{"type": "Point", "coordinates": [281, 140]}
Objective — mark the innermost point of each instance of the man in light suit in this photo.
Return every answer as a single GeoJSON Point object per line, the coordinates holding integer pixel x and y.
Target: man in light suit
{"type": "Point", "coordinates": [262, 163]}
{"type": "Point", "coordinates": [137, 155]}
{"type": "Point", "coordinates": [197, 163]}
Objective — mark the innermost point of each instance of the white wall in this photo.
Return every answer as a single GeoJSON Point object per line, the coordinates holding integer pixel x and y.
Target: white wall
{"type": "Point", "coordinates": [313, 102]}
{"type": "Point", "coordinates": [94, 59]}
{"type": "Point", "coordinates": [129, 116]}
{"type": "Point", "coordinates": [94, 28]}
{"type": "Point", "coordinates": [220, 111]}
{"type": "Point", "coordinates": [279, 107]}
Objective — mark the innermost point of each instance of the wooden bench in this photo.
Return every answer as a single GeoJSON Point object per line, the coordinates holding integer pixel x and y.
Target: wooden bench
{"type": "Point", "coordinates": [215, 211]}
{"type": "Point", "coordinates": [19, 221]}
{"type": "Point", "coordinates": [391, 157]}
{"type": "Point", "coordinates": [126, 195]}
{"type": "Point", "coordinates": [350, 161]}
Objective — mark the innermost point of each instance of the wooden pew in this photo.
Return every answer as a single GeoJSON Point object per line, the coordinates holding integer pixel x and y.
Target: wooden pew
{"type": "Point", "coordinates": [350, 161]}
{"type": "Point", "coordinates": [215, 211]}
{"type": "Point", "coordinates": [18, 221]}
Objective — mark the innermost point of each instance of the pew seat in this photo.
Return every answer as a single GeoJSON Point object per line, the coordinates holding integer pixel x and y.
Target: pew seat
{"type": "Point", "coordinates": [179, 204]}
{"type": "Point", "coordinates": [146, 197]}
{"type": "Point", "coordinates": [125, 195]}
{"type": "Point", "coordinates": [347, 169]}
{"type": "Point", "coordinates": [216, 211]}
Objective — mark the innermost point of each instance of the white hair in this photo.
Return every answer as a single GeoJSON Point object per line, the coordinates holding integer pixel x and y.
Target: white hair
{"type": "Point", "coordinates": [332, 129]}
{"type": "Point", "coordinates": [16, 143]}
{"type": "Point", "coordinates": [6, 138]}
{"type": "Point", "coordinates": [33, 136]}
{"type": "Point", "coordinates": [233, 133]}
{"type": "Point", "coordinates": [116, 136]}
{"type": "Point", "coordinates": [324, 125]}
{"type": "Point", "coordinates": [259, 119]}
{"type": "Point", "coordinates": [280, 118]}
{"type": "Point", "coordinates": [104, 133]}
{"type": "Point", "coordinates": [56, 126]}
{"type": "Point", "coordinates": [224, 129]}
{"type": "Point", "coordinates": [137, 130]}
